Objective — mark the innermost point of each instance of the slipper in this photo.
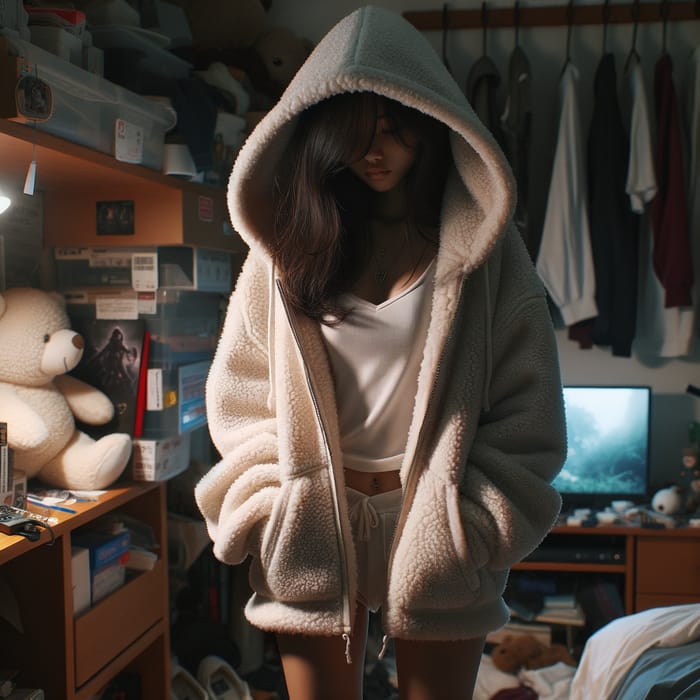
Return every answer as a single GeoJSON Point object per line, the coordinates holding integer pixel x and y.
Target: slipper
{"type": "Point", "coordinates": [183, 685]}
{"type": "Point", "coordinates": [220, 681]}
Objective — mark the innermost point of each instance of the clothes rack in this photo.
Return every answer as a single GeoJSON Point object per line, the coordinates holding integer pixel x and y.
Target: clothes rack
{"type": "Point", "coordinates": [556, 16]}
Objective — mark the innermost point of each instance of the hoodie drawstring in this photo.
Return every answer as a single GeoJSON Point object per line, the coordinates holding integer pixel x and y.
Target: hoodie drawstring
{"type": "Point", "coordinates": [348, 658]}
{"type": "Point", "coordinates": [488, 359]}
{"type": "Point", "coordinates": [364, 515]}
{"type": "Point", "coordinates": [271, 340]}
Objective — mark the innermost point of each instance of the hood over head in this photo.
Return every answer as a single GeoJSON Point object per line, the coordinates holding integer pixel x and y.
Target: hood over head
{"type": "Point", "coordinates": [376, 50]}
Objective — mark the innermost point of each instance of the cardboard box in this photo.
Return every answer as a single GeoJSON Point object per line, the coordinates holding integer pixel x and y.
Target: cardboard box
{"type": "Point", "coordinates": [158, 460]}
{"type": "Point", "coordinates": [80, 571]}
{"type": "Point", "coordinates": [201, 269]}
{"type": "Point", "coordinates": [175, 399]}
{"type": "Point", "coordinates": [107, 579]}
{"type": "Point", "coordinates": [173, 267]}
{"type": "Point", "coordinates": [105, 548]}
{"type": "Point", "coordinates": [93, 267]}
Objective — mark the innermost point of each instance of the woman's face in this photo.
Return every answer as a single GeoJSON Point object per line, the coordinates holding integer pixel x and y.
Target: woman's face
{"type": "Point", "coordinates": [389, 158]}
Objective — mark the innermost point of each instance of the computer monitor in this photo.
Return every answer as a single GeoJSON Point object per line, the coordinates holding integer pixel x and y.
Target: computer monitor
{"type": "Point", "coordinates": [608, 432]}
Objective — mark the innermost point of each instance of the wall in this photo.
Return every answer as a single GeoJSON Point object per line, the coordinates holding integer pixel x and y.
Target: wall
{"type": "Point", "coordinates": [546, 49]}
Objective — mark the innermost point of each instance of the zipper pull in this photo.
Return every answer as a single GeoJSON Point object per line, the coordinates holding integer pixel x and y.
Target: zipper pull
{"type": "Point", "coordinates": [385, 643]}
{"type": "Point", "coordinates": [348, 658]}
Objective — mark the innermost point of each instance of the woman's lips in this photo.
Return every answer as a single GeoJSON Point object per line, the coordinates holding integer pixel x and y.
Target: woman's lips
{"type": "Point", "coordinates": [376, 173]}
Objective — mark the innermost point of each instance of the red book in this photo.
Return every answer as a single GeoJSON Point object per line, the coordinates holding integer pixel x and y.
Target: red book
{"type": "Point", "coordinates": [142, 386]}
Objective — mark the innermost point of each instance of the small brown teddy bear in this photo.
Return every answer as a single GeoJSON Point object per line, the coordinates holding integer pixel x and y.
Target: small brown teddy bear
{"type": "Point", "coordinates": [517, 651]}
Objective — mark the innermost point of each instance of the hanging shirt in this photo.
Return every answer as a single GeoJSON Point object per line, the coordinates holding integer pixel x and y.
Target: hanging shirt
{"type": "Point", "coordinates": [564, 261]}
{"type": "Point", "coordinates": [516, 122]}
{"type": "Point", "coordinates": [661, 332]}
{"type": "Point", "coordinates": [669, 212]}
{"type": "Point", "coordinates": [694, 181]}
{"type": "Point", "coordinates": [613, 226]}
{"type": "Point", "coordinates": [375, 355]}
{"type": "Point", "coordinates": [482, 92]}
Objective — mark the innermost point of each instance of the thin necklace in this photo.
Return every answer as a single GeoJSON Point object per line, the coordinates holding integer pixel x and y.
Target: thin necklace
{"type": "Point", "coordinates": [382, 267]}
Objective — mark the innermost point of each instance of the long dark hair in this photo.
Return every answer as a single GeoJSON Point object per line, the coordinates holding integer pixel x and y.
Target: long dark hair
{"type": "Point", "coordinates": [320, 234]}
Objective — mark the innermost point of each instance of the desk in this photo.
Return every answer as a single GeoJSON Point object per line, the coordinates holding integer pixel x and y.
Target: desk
{"type": "Point", "coordinates": [73, 658]}
{"type": "Point", "coordinates": [659, 567]}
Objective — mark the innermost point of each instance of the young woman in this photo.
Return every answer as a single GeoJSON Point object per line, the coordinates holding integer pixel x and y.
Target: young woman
{"type": "Point", "coordinates": [385, 396]}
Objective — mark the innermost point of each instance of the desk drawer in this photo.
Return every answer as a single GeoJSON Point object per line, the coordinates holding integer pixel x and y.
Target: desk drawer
{"type": "Point", "coordinates": [667, 565]}
{"type": "Point", "coordinates": [118, 621]}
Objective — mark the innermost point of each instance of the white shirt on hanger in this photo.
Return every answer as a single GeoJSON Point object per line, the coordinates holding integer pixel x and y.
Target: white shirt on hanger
{"type": "Point", "coordinates": [565, 260]}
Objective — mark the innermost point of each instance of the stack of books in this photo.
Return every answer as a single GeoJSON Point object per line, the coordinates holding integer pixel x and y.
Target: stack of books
{"type": "Point", "coordinates": [561, 609]}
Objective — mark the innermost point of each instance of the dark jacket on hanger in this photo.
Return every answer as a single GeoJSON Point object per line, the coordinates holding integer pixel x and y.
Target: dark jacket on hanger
{"type": "Point", "coordinates": [614, 228]}
{"type": "Point", "coordinates": [669, 209]}
{"type": "Point", "coordinates": [516, 122]}
{"type": "Point", "coordinates": [482, 92]}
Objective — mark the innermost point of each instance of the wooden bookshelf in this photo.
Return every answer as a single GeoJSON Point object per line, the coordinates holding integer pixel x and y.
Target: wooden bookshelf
{"type": "Point", "coordinates": [75, 657]}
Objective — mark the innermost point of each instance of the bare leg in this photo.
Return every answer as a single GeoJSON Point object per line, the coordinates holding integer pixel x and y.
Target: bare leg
{"type": "Point", "coordinates": [437, 670]}
{"type": "Point", "coordinates": [315, 668]}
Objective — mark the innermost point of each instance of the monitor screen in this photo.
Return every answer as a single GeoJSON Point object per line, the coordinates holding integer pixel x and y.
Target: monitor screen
{"type": "Point", "coordinates": [608, 431]}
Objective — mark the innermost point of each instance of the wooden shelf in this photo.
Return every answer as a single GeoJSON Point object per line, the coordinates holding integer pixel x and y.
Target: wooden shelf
{"type": "Point", "coordinates": [73, 178]}
{"type": "Point", "coordinates": [553, 16]}
{"type": "Point", "coordinates": [127, 630]}
{"type": "Point", "coordinates": [656, 566]}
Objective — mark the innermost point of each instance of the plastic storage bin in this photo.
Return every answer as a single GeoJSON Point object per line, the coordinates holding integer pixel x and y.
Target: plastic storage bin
{"type": "Point", "coordinates": [86, 107]}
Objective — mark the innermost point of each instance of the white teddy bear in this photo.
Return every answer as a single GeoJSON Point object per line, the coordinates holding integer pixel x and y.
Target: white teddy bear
{"type": "Point", "coordinates": [38, 399]}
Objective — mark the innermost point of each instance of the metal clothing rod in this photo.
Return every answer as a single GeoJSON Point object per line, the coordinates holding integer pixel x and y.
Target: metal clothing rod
{"type": "Point", "coordinates": [557, 16]}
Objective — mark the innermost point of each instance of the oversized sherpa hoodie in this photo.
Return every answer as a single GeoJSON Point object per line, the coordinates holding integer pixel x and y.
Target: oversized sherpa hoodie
{"type": "Point", "coordinates": [487, 435]}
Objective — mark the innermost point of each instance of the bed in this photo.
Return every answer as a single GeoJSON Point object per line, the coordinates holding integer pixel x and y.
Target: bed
{"type": "Point", "coordinates": [650, 655]}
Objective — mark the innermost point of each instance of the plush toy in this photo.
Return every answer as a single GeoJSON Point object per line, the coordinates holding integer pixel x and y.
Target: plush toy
{"type": "Point", "coordinates": [668, 501]}
{"type": "Point", "coordinates": [260, 58]}
{"type": "Point", "coordinates": [38, 399]}
{"type": "Point", "coordinates": [516, 651]}
{"type": "Point", "coordinates": [281, 53]}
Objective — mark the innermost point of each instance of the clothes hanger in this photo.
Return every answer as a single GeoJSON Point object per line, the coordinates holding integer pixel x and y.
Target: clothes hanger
{"type": "Point", "coordinates": [633, 55]}
{"type": "Point", "coordinates": [663, 11]}
{"type": "Point", "coordinates": [606, 18]}
{"type": "Point", "coordinates": [569, 30]}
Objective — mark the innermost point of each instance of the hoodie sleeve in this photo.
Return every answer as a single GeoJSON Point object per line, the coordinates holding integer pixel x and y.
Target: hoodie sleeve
{"type": "Point", "coordinates": [519, 447]}
{"type": "Point", "coordinates": [236, 495]}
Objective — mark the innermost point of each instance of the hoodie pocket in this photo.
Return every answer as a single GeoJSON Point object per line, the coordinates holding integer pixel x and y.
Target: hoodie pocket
{"type": "Point", "coordinates": [434, 565]}
{"type": "Point", "coordinates": [300, 556]}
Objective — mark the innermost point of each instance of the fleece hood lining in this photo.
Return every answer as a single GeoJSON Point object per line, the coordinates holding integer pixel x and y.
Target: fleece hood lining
{"type": "Point", "coordinates": [365, 52]}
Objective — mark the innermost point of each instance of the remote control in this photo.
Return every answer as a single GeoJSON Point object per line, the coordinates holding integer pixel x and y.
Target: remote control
{"type": "Point", "coordinates": [14, 519]}
{"type": "Point", "coordinates": [11, 522]}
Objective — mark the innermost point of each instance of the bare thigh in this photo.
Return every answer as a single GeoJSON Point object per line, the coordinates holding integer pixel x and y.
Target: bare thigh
{"type": "Point", "coordinates": [437, 670]}
{"type": "Point", "coordinates": [315, 667]}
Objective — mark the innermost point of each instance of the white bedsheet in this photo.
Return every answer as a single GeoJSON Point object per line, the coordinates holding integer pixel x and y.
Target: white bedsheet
{"type": "Point", "coordinates": [607, 657]}
{"type": "Point", "coordinates": [612, 650]}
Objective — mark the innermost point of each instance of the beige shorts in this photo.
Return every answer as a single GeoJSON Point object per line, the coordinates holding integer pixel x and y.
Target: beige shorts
{"type": "Point", "coordinates": [373, 520]}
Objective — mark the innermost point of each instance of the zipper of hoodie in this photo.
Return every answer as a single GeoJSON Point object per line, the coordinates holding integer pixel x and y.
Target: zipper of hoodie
{"type": "Point", "coordinates": [334, 486]}
{"type": "Point", "coordinates": [412, 474]}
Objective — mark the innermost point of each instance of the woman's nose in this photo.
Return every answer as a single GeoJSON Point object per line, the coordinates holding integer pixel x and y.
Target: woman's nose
{"type": "Point", "coordinates": [374, 153]}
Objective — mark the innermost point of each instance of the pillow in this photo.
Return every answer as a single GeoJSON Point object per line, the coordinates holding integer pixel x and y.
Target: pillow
{"type": "Point", "coordinates": [613, 649]}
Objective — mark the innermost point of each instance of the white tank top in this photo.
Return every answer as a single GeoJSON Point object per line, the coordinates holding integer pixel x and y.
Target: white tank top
{"type": "Point", "coordinates": [375, 355]}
